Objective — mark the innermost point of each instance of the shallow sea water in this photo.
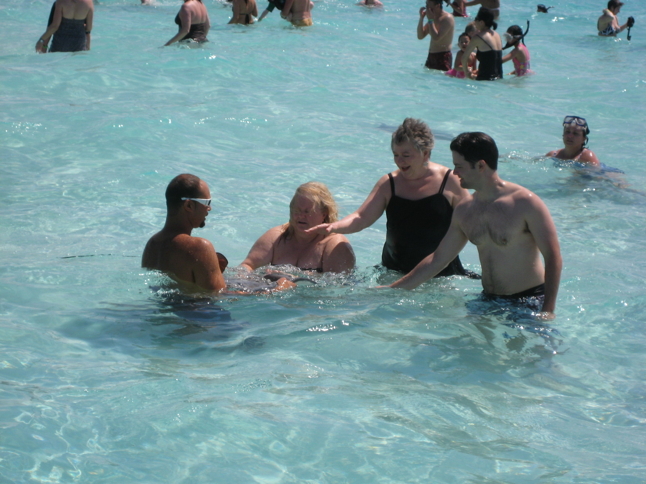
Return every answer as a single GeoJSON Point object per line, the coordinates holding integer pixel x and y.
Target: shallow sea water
{"type": "Point", "coordinates": [103, 379]}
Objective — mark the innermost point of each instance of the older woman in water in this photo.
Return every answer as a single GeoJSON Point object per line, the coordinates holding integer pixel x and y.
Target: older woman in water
{"type": "Point", "coordinates": [418, 198]}
{"type": "Point", "coordinates": [575, 137]}
{"type": "Point", "coordinates": [70, 22]}
{"type": "Point", "coordinates": [193, 22]}
{"type": "Point", "coordinates": [290, 243]}
{"type": "Point", "coordinates": [489, 47]}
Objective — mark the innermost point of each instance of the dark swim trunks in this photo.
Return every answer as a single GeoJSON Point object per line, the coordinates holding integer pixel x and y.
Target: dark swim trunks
{"type": "Point", "coordinates": [440, 61]}
{"type": "Point", "coordinates": [532, 297]}
{"type": "Point", "coordinates": [275, 4]}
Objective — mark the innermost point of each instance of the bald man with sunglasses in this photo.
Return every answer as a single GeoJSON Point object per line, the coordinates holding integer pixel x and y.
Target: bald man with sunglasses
{"type": "Point", "coordinates": [191, 261]}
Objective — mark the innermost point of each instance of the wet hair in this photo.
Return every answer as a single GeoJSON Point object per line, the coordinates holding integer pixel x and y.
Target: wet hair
{"type": "Point", "coordinates": [436, 2]}
{"type": "Point", "coordinates": [476, 146]}
{"type": "Point", "coordinates": [614, 4]}
{"type": "Point", "coordinates": [182, 186]}
{"type": "Point", "coordinates": [486, 16]}
{"type": "Point", "coordinates": [417, 132]}
{"type": "Point", "coordinates": [320, 195]}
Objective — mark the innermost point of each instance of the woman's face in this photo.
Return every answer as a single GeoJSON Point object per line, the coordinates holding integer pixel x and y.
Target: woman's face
{"type": "Point", "coordinates": [305, 214]}
{"type": "Point", "coordinates": [409, 159]}
{"type": "Point", "coordinates": [573, 136]}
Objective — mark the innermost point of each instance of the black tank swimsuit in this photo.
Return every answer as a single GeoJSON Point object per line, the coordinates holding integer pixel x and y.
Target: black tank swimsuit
{"type": "Point", "coordinates": [415, 228]}
{"type": "Point", "coordinates": [196, 32]}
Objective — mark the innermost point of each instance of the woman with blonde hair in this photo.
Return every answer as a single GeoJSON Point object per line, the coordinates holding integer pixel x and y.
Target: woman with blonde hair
{"type": "Point", "coordinates": [289, 243]}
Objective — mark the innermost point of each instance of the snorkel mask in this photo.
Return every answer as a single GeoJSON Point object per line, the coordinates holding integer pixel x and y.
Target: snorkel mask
{"type": "Point", "coordinates": [515, 36]}
{"type": "Point", "coordinates": [577, 121]}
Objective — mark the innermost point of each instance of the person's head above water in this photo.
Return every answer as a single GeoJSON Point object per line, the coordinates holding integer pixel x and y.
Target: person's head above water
{"type": "Point", "coordinates": [321, 197]}
{"type": "Point", "coordinates": [185, 187]}
{"type": "Point", "coordinates": [476, 146]}
{"type": "Point", "coordinates": [471, 29]}
{"type": "Point", "coordinates": [577, 124]}
{"type": "Point", "coordinates": [486, 16]}
{"type": "Point", "coordinates": [417, 133]}
{"type": "Point", "coordinates": [615, 5]}
{"type": "Point", "coordinates": [514, 35]}
{"type": "Point", "coordinates": [463, 40]}
{"type": "Point", "coordinates": [542, 8]}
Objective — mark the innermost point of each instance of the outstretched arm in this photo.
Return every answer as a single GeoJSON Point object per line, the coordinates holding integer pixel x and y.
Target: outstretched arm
{"type": "Point", "coordinates": [371, 209]}
{"type": "Point", "coordinates": [451, 245]}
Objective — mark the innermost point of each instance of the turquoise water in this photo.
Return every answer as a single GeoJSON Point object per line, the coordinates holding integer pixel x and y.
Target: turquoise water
{"type": "Point", "coordinates": [104, 380]}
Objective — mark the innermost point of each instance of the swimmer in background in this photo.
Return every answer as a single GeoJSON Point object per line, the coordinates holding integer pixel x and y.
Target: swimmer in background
{"type": "Point", "coordinates": [440, 27]}
{"type": "Point", "coordinates": [298, 12]}
{"type": "Point", "coordinates": [457, 71]}
{"type": "Point", "coordinates": [370, 3]}
{"type": "Point", "coordinates": [510, 226]}
{"type": "Point", "coordinates": [575, 138]}
{"type": "Point", "coordinates": [244, 12]}
{"type": "Point", "coordinates": [608, 24]}
{"type": "Point", "coordinates": [519, 54]}
{"type": "Point", "coordinates": [70, 22]}
{"type": "Point", "coordinates": [290, 243]}
{"type": "Point", "coordinates": [493, 5]}
{"type": "Point", "coordinates": [459, 8]}
{"type": "Point", "coordinates": [193, 22]}
{"type": "Point", "coordinates": [279, 4]}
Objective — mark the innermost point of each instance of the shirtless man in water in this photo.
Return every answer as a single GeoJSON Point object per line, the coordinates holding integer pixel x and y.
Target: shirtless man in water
{"type": "Point", "coordinates": [298, 12]}
{"type": "Point", "coordinates": [510, 226]}
{"type": "Point", "coordinates": [440, 26]}
{"type": "Point", "coordinates": [192, 261]}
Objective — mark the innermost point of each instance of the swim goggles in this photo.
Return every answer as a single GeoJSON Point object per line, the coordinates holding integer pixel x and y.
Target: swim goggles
{"type": "Point", "coordinates": [204, 201]}
{"type": "Point", "coordinates": [577, 121]}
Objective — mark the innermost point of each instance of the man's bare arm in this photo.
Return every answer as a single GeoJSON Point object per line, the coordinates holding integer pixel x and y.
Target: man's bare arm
{"type": "Point", "coordinates": [451, 245]}
{"type": "Point", "coordinates": [206, 268]}
{"type": "Point", "coordinates": [542, 228]}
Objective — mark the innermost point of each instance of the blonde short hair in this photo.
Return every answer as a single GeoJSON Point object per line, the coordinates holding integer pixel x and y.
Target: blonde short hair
{"type": "Point", "coordinates": [320, 195]}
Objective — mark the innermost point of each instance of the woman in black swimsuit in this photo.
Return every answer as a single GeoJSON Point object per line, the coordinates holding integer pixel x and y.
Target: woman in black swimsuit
{"type": "Point", "coordinates": [418, 198]}
{"type": "Point", "coordinates": [489, 46]}
{"type": "Point", "coordinates": [193, 22]}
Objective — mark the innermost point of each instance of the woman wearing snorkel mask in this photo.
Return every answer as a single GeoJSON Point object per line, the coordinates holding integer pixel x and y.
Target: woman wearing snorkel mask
{"type": "Point", "coordinates": [519, 54]}
{"type": "Point", "coordinates": [575, 137]}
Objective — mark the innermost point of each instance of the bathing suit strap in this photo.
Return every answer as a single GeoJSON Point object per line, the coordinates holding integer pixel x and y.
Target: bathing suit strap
{"type": "Point", "coordinates": [490, 46]}
{"type": "Point", "coordinates": [392, 183]}
{"type": "Point", "coordinates": [446, 178]}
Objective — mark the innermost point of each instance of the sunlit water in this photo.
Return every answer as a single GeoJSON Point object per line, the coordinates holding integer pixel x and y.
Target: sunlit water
{"type": "Point", "coordinates": [102, 379]}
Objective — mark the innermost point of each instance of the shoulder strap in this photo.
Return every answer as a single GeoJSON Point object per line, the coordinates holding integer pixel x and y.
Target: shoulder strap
{"type": "Point", "coordinates": [392, 183]}
{"type": "Point", "coordinates": [446, 178]}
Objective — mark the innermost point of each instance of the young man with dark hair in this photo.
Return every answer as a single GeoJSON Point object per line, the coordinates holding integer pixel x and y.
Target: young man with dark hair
{"type": "Point", "coordinates": [510, 226]}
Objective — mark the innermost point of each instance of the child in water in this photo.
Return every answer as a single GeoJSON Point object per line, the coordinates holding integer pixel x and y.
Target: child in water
{"type": "Point", "coordinates": [457, 71]}
{"type": "Point", "coordinates": [370, 3]}
{"type": "Point", "coordinates": [519, 54]}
